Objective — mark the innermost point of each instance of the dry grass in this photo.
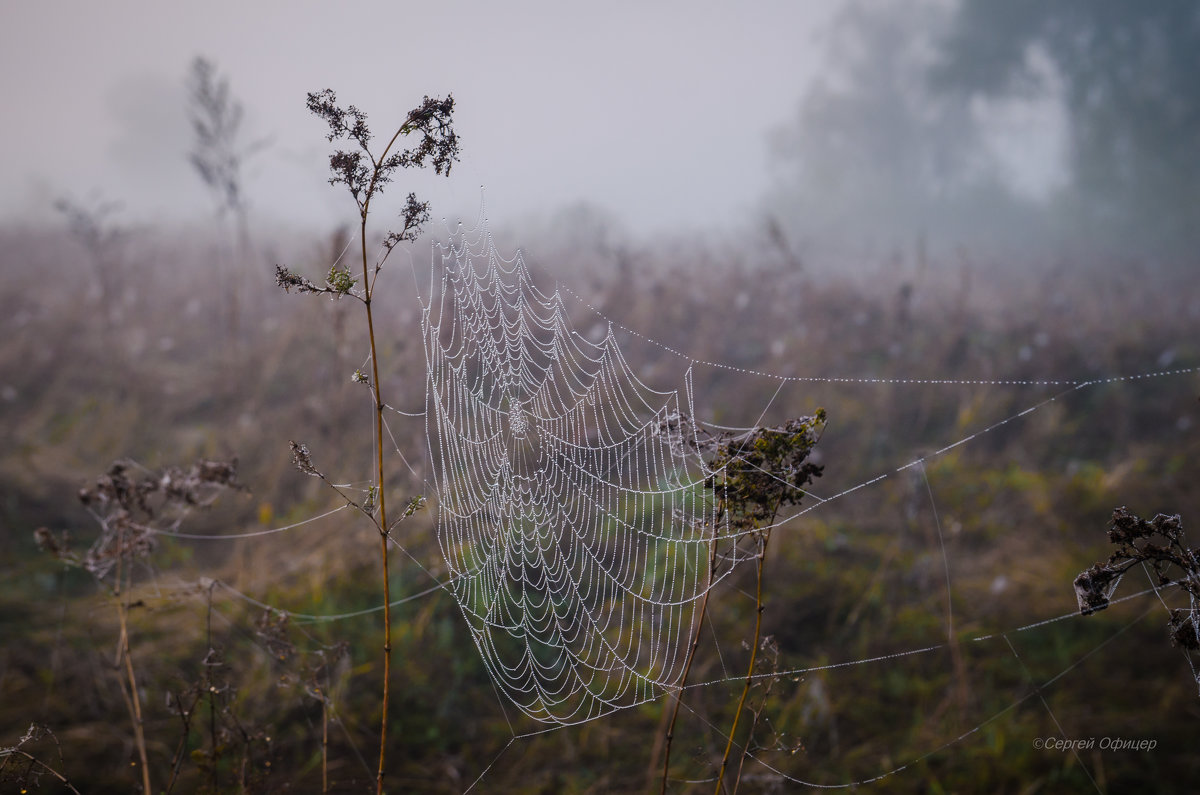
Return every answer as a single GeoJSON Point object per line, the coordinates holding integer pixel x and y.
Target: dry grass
{"type": "Point", "coordinates": [156, 377]}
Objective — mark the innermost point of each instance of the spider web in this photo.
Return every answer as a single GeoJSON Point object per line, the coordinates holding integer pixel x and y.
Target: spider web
{"type": "Point", "coordinates": [576, 526]}
{"type": "Point", "coordinates": [572, 511]}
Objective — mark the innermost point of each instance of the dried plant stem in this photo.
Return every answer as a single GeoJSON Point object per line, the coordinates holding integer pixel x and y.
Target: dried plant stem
{"type": "Point", "coordinates": [381, 496]}
{"type": "Point", "coordinates": [177, 760]}
{"type": "Point", "coordinates": [210, 694]}
{"type": "Point", "coordinates": [755, 714]}
{"type": "Point", "coordinates": [764, 537]}
{"type": "Point", "coordinates": [758, 605]}
{"type": "Point", "coordinates": [325, 740]}
{"type": "Point", "coordinates": [750, 497]}
{"type": "Point", "coordinates": [364, 178]}
{"type": "Point", "coordinates": [129, 687]}
{"type": "Point", "coordinates": [139, 731]}
{"type": "Point", "coordinates": [678, 699]}
{"type": "Point", "coordinates": [8, 753]}
{"type": "Point", "coordinates": [381, 493]}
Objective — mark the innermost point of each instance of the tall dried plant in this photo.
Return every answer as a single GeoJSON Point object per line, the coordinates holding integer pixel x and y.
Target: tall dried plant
{"type": "Point", "coordinates": [365, 173]}
{"type": "Point", "coordinates": [132, 510]}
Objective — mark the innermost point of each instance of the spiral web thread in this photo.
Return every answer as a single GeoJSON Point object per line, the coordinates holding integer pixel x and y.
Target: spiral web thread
{"type": "Point", "coordinates": [572, 511]}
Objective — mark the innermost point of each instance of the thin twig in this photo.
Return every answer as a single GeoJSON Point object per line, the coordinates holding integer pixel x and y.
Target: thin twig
{"type": "Point", "coordinates": [678, 695]}
{"type": "Point", "coordinates": [762, 552]}
{"type": "Point", "coordinates": [33, 760]}
{"type": "Point", "coordinates": [177, 759]}
{"type": "Point", "coordinates": [210, 692]}
{"type": "Point", "coordinates": [368, 287]}
{"type": "Point", "coordinates": [132, 699]}
{"type": "Point", "coordinates": [764, 538]}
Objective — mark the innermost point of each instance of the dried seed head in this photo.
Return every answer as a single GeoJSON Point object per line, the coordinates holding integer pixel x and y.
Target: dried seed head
{"type": "Point", "coordinates": [302, 460]}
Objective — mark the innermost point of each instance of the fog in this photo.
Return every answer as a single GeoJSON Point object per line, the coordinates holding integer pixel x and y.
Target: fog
{"type": "Point", "coordinates": [1067, 130]}
{"type": "Point", "coordinates": [962, 232]}
{"type": "Point", "coordinates": [657, 113]}
{"type": "Point", "coordinates": [854, 129]}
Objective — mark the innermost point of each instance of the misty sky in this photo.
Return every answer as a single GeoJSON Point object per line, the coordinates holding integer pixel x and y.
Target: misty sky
{"type": "Point", "coordinates": [657, 112]}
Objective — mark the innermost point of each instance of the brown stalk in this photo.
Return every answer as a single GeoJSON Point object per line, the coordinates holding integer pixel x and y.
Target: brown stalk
{"type": "Point", "coordinates": [678, 696]}
{"type": "Point", "coordinates": [177, 759]}
{"type": "Point", "coordinates": [382, 525]}
{"type": "Point", "coordinates": [325, 741]}
{"type": "Point", "coordinates": [129, 688]}
{"type": "Point", "coordinates": [8, 753]}
{"type": "Point", "coordinates": [765, 537]}
{"type": "Point", "coordinates": [363, 182]}
{"type": "Point", "coordinates": [368, 289]}
{"type": "Point", "coordinates": [210, 694]}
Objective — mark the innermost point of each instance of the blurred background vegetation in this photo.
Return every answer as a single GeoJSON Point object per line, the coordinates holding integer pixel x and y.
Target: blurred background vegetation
{"type": "Point", "coordinates": [907, 236]}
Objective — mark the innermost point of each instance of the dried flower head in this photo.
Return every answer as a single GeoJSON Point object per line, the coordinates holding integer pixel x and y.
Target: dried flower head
{"type": "Point", "coordinates": [365, 175]}
{"type": "Point", "coordinates": [302, 460]}
{"type": "Point", "coordinates": [1158, 543]}
{"type": "Point", "coordinates": [132, 510]}
{"type": "Point", "coordinates": [758, 473]}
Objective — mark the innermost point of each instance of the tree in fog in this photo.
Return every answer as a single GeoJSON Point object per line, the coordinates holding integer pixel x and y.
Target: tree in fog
{"type": "Point", "coordinates": [218, 151]}
{"type": "Point", "coordinates": [902, 135]}
{"type": "Point", "coordinates": [1129, 73]}
{"type": "Point", "coordinates": [874, 157]}
{"type": "Point", "coordinates": [218, 155]}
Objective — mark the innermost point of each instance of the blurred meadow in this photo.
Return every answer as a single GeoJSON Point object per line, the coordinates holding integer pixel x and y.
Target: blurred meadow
{"type": "Point", "coordinates": [1025, 323]}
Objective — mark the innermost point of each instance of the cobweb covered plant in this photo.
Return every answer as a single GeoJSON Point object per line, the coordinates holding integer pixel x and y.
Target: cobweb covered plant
{"type": "Point", "coordinates": [753, 477]}
{"type": "Point", "coordinates": [1158, 543]}
{"type": "Point", "coordinates": [756, 478]}
{"type": "Point", "coordinates": [364, 174]}
{"type": "Point", "coordinates": [132, 511]}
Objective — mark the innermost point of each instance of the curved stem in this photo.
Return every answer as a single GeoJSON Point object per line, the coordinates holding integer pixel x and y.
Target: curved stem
{"type": "Point", "coordinates": [758, 602]}
{"type": "Point", "coordinates": [712, 566]}
{"type": "Point", "coordinates": [33, 760]}
{"type": "Point", "coordinates": [381, 496]}
{"type": "Point", "coordinates": [325, 735]}
{"type": "Point", "coordinates": [759, 607]}
{"type": "Point", "coordinates": [133, 703]}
